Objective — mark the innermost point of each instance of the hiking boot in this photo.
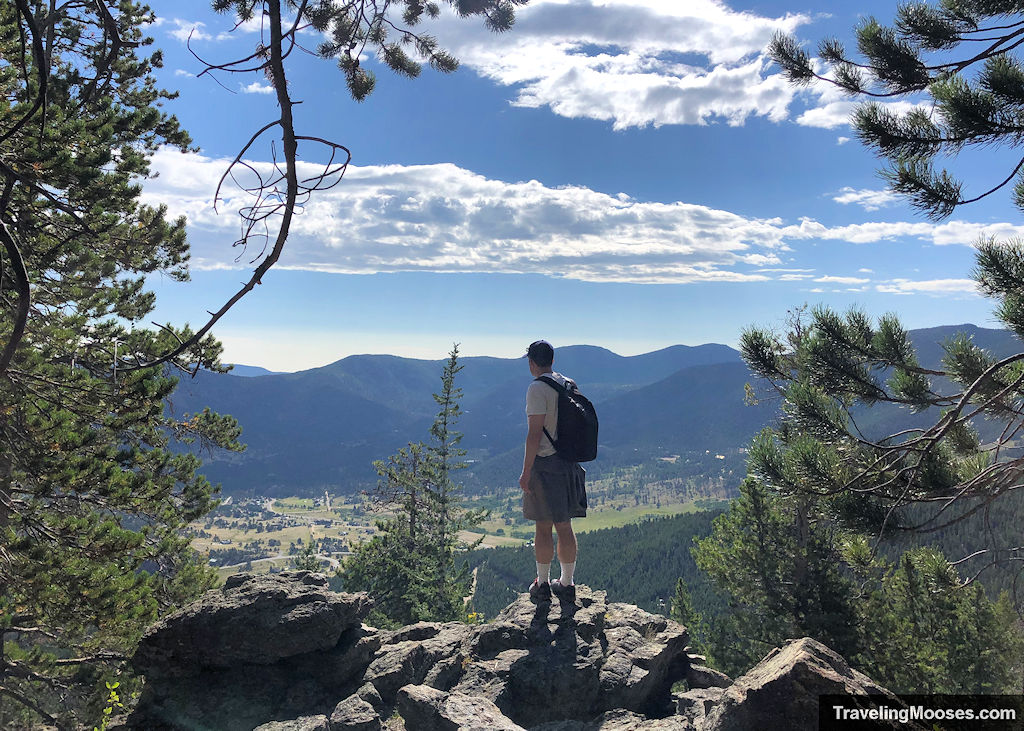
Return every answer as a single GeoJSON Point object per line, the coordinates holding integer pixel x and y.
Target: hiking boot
{"type": "Point", "coordinates": [540, 592]}
{"type": "Point", "coordinates": [564, 593]}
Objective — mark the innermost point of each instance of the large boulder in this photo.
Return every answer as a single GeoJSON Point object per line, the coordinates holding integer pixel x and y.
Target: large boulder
{"type": "Point", "coordinates": [252, 619]}
{"type": "Point", "coordinates": [355, 714]}
{"type": "Point", "coordinates": [425, 653]}
{"type": "Point", "coordinates": [787, 684]}
{"type": "Point", "coordinates": [257, 650]}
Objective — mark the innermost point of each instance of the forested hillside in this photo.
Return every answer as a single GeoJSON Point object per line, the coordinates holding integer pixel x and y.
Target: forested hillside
{"type": "Point", "coordinates": [638, 563]}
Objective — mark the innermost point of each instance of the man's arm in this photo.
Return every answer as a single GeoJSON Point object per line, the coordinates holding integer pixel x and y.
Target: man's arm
{"type": "Point", "coordinates": [533, 435]}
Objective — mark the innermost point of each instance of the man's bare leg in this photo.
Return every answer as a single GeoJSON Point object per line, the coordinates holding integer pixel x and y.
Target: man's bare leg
{"type": "Point", "coordinates": [566, 542]}
{"type": "Point", "coordinates": [564, 585]}
{"type": "Point", "coordinates": [543, 542]}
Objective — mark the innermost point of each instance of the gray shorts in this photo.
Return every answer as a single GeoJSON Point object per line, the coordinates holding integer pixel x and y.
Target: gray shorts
{"type": "Point", "coordinates": [557, 491]}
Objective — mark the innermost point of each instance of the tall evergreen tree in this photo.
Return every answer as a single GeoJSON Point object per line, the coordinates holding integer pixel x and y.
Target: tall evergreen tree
{"type": "Point", "coordinates": [681, 610]}
{"type": "Point", "coordinates": [410, 567]}
{"type": "Point", "coordinates": [90, 492]}
{"type": "Point", "coordinates": [778, 561]}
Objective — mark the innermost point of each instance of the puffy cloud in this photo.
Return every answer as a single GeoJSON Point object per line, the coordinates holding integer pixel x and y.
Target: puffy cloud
{"type": "Point", "coordinates": [258, 88]}
{"type": "Point", "coordinates": [869, 200]}
{"type": "Point", "coordinates": [186, 30]}
{"type": "Point", "coordinates": [636, 63]}
{"type": "Point", "coordinates": [444, 218]}
{"type": "Point", "coordinates": [929, 286]}
{"type": "Point", "coordinates": [632, 62]}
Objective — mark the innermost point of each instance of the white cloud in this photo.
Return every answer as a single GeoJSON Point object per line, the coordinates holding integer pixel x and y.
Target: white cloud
{"type": "Point", "coordinates": [186, 31]}
{"type": "Point", "coordinates": [841, 280]}
{"type": "Point", "coordinates": [257, 87]}
{"type": "Point", "coordinates": [636, 63]}
{"type": "Point", "coordinates": [632, 62]}
{"type": "Point", "coordinates": [869, 200]}
{"type": "Point", "coordinates": [929, 286]}
{"type": "Point", "coordinates": [842, 140]}
{"type": "Point", "coordinates": [443, 218]}
{"type": "Point", "coordinates": [964, 233]}
{"type": "Point", "coordinates": [183, 72]}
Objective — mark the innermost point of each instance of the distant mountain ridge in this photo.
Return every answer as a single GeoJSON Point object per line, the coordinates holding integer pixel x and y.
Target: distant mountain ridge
{"type": "Point", "coordinates": [323, 427]}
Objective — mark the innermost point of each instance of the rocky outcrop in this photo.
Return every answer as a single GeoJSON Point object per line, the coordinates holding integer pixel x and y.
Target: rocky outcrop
{"type": "Point", "coordinates": [786, 684]}
{"type": "Point", "coordinates": [259, 649]}
{"type": "Point", "coordinates": [282, 652]}
{"type": "Point", "coordinates": [252, 621]}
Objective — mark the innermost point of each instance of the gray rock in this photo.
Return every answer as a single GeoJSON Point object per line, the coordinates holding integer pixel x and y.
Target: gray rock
{"type": "Point", "coordinates": [284, 647]}
{"type": "Point", "coordinates": [568, 661]}
{"type": "Point", "coordinates": [246, 696]}
{"type": "Point", "coordinates": [305, 723]}
{"type": "Point", "coordinates": [355, 714]}
{"type": "Point", "coordinates": [369, 694]}
{"type": "Point", "coordinates": [427, 709]}
{"type": "Point", "coordinates": [645, 654]}
{"type": "Point", "coordinates": [699, 676]}
{"type": "Point", "coordinates": [619, 720]}
{"type": "Point", "coordinates": [696, 703]}
{"type": "Point", "coordinates": [786, 685]}
{"type": "Point", "coordinates": [437, 660]}
{"type": "Point", "coordinates": [252, 619]}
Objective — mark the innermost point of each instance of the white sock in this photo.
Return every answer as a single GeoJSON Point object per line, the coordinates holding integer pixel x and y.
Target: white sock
{"type": "Point", "coordinates": [567, 572]}
{"type": "Point", "coordinates": [543, 573]}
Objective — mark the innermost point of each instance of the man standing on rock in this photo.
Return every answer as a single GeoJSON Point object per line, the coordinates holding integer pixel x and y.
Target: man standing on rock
{"type": "Point", "coordinates": [552, 486]}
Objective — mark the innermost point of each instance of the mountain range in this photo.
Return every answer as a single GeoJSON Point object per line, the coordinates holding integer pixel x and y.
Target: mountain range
{"type": "Point", "coordinates": [323, 427]}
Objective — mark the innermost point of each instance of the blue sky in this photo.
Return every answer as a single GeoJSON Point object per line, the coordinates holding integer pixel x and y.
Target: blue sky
{"type": "Point", "coordinates": [624, 173]}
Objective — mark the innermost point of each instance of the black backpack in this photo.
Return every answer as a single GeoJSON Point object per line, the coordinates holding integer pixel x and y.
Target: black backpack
{"type": "Point", "coordinates": [577, 423]}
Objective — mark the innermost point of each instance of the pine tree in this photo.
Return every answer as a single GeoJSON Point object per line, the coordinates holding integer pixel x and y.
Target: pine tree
{"type": "Point", "coordinates": [681, 610]}
{"type": "Point", "coordinates": [778, 561]}
{"type": "Point", "coordinates": [409, 567]}
{"type": "Point", "coordinates": [93, 499]}
{"type": "Point", "coordinates": [925, 631]}
{"type": "Point", "coordinates": [964, 55]}
{"type": "Point", "coordinates": [307, 560]}
{"type": "Point", "coordinates": [914, 627]}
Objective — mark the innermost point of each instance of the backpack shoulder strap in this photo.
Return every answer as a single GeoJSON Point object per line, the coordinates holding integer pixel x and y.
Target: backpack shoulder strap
{"type": "Point", "coordinates": [555, 384]}
{"type": "Point", "coordinates": [559, 388]}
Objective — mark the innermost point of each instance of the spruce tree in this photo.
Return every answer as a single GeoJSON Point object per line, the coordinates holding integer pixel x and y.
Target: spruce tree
{"type": "Point", "coordinates": [411, 566]}
{"type": "Point", "coordinates": [681, 610]}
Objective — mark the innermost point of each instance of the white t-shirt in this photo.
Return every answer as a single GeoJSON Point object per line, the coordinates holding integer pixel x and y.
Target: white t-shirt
{"type": "Point", "coordinates": [543, 399]}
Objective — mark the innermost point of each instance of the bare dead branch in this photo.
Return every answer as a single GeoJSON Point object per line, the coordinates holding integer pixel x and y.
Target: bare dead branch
{"type": "Point", "coordinates": [24, 295]}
